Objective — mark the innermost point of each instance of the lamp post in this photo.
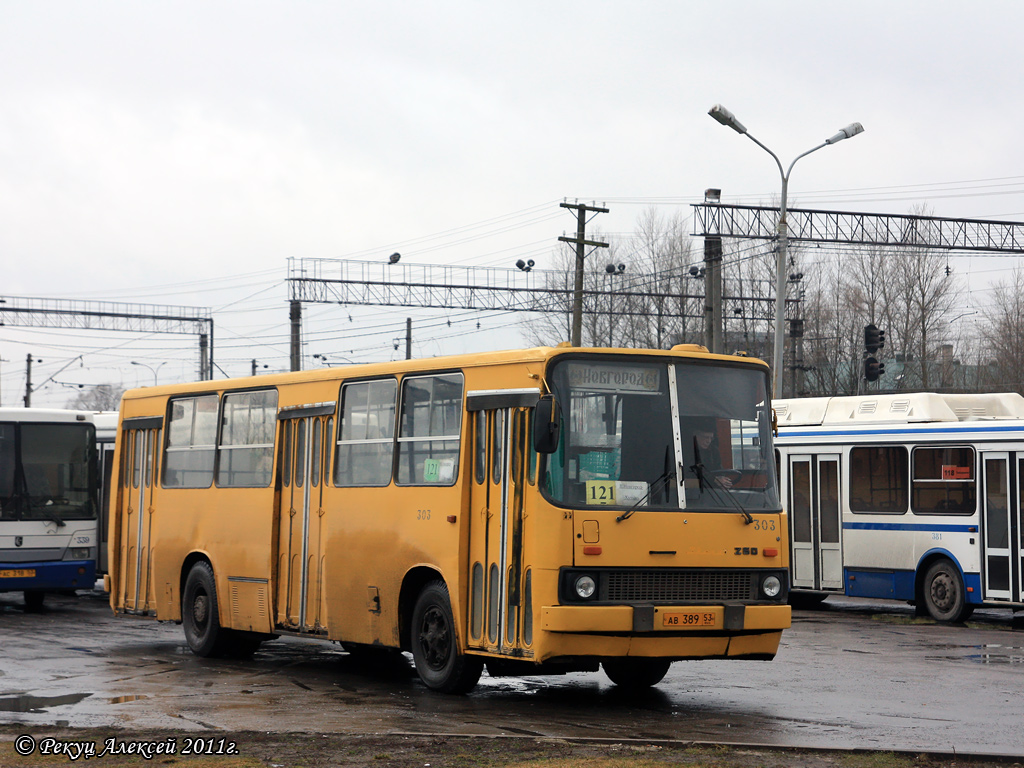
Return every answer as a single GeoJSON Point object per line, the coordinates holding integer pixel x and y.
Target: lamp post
{"type": "Point", "coordinates": [154, 371]}
{"type": "Point", "coordinates": [725, 117]}
{"type": "Point", "coordinates": [612, 270]}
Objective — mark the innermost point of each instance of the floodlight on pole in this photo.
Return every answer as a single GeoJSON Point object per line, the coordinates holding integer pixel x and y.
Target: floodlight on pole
{"type": "Point", "coordinates": [727, 118]}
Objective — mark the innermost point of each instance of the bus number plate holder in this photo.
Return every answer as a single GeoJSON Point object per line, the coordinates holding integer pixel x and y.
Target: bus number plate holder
{"type": "Point", "coordinates": [687, 619]}
{"type": "Point", "coordinates": [20, 573]}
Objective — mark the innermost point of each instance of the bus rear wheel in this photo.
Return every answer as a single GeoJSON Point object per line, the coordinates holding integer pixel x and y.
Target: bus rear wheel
{"type": "Point", "coordinates": [944, 594]}
{"type": "Point", "coordinates": [199, 613]}
{"type": "Point", "coordinates": [635, 673]}
{"type": "Point", "coordinates": [435, 649]}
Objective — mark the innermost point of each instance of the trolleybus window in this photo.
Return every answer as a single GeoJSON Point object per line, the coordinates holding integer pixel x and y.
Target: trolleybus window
{"type": "Point", "coordinates": [944, 481]}
{"type": "Point", "coordinates": [431, 422]}
{"type": "Point", "coordinates": [366, 434]}
{"type": "Point", "coordinates": [878, 479]}
{"type": "Point", "coordinates": [191, 440]}
{"type": "Point", "coordinates": [245, 455]}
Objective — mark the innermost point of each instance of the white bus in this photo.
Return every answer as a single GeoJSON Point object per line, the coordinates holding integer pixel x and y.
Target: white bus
{"type": "Point", "coordinates": [913, 497]}
{"type": "Point", "coordinates": [48, 502]}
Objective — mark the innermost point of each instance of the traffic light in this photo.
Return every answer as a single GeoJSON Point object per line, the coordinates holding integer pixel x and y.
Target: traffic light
{"type": "Point", "coordinates": [873, 338]}
{"type": "Point", "coordinates": [873, 369]}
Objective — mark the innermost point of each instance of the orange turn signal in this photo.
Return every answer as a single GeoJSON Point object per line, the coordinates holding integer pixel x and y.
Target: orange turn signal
{"type": "Point", "coordinates": [591, 550]}
{"type": "Point", "coordinates": [770, 552]}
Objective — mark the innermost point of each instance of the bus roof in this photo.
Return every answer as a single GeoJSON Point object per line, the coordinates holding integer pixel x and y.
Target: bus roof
{"type": "Point", "coordinates": [43, 414]}
{"type": "Point", "coordinates": [908, 408]}
{"type": "Point", "coordinates": [416, 365]}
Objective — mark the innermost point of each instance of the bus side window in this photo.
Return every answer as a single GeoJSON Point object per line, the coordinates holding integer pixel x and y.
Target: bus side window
{"type": "Point", "coordinates": [878, 479]}
{"type": "Point", "coordinates": [245, 452]}
{"type": "Point", "coordinates": [365, 450]}
{"type": "Point", "coordinates": [191, 442]}
{"type": "Point", "coordinates": [430, 429]}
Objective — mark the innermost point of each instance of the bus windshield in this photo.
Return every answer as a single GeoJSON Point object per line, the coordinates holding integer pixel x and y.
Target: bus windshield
{"type": "Point", "coordinates": [45, 471]}
{"type": "Point", "coordinates": [662, 436]}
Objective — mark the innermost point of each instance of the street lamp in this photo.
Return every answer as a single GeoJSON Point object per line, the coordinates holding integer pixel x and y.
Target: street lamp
{"type": "Point", "coordinates": [154, 371]}
{"type": "Point", "coordinates": [725, 117]}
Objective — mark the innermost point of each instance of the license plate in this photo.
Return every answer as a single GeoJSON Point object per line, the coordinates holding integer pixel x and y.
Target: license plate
{"type": "Point", "coordinates": [22, 573]}
{"type": "Point", "coordinates": [688, 619]}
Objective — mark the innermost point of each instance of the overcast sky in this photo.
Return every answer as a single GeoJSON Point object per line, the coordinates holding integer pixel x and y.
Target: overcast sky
{"type": "Point", "coordinates": [179, 153]}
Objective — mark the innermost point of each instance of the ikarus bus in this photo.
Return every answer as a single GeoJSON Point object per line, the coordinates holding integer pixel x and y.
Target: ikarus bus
{"type": "Point", "coordinates": [530, 511]}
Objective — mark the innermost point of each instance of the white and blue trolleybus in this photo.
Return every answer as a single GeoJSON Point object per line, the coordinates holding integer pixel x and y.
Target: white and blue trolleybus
{"type": "Point", "coordinates": [48, 502]}
{"type": "Point", "coordinates": [914, 497]}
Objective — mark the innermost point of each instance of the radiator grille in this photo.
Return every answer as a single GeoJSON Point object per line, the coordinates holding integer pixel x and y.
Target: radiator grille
{"type": "Point", "coordinates": [680, 586]}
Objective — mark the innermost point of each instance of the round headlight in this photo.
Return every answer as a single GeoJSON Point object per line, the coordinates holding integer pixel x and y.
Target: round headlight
{"type": "Point", "coordinates": [771, 586]}
{"type": "Point", "coordinates": [585, 587]}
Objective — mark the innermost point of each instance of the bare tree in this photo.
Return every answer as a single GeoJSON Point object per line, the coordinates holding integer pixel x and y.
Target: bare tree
{"type": "Point", "coordinates": [645, 305]}
{"type": "Point", "coordinates": [1004, 318]}
{"type": "Point", "coordinates": [104, 397]}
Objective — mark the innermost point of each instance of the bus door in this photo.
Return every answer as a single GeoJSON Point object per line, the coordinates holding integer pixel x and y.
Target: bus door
{"type": "Point", "coordinates": [305, 449]}
{"type": "Point", "coordinates": [1000, 520]}
{"type": "Point", "coordinates": [815, 520]}
{"type": "Point", "coordinates": [140, 441]}
{"type": "Point", "coordinates": [497, 583]}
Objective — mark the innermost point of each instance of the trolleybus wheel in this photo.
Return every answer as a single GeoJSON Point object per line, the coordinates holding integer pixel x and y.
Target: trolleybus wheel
{"type": "Point", "coordinates": [199, 613]}
{"type": "Point", "coordinates": [634, 672]}
{"type": "Point", "coordinates": [944, 594]}
{"type": "Point", "coordinates": [435, 648]}
{"type": "Point", "coordinates": [34, 601]}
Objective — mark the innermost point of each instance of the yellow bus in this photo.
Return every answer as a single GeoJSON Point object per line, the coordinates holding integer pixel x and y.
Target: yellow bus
{"type": "Point", "coordinates": [536, 511]}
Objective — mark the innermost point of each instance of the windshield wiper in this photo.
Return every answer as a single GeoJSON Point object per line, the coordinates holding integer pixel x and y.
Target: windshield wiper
{"type": "Point", "coordinates": [656, 486]}
{"type": "Point", "coordinates": [48, 513]}
{"type": "Point", "coordinates": [698, 470]}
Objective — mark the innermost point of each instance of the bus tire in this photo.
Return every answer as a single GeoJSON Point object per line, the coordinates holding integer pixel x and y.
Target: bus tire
{"type": "Point", "coordinates": [199, 613]}
{"type": "Point", "coordinates": [34, 601]}
{"type": "Point", "coordinates": [635, 673]}
{"type": "Point", "coordinates": [435, 649]}
{"type": "Point", "coordinates": [944, 593]}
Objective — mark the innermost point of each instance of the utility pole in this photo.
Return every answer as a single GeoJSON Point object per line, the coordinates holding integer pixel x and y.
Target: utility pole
{"type": "Point", "coordinates": [713, 330]}
{"type": "Point", "coordinates": [408, 338]}
{"type": "Point", "coordinates": [295, 317]}
{"type": "Point", "coordinates": [28, 380]}
{"type": "Point", "coordinates": [580, 240]}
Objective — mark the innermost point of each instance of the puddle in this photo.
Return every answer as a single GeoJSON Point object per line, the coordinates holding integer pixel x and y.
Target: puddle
{"type": "Point", "coordinates": [998, 654]}
{"type": "Point", "coordinates": [39, 703]}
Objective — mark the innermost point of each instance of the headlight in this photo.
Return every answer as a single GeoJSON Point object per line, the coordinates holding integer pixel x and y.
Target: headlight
{"type": "Point", "coordinates": [585, 587]}
{"type": "Point", "coordinates": [771, 586]}
{"type": "Point", "coordinates": [80, 553]}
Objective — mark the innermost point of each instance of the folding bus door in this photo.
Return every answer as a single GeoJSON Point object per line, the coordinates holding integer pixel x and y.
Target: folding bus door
{"type": "Point", "coordinates": [305, 441]}
{"type": "Point", "coordinates": [1000, 520]}
{"type": "Point", "coordinates": [498, 584]}
{"type": "Point", "coordinates": [815, 522]}
{"type": "Point", "coordinates": [140, 441]}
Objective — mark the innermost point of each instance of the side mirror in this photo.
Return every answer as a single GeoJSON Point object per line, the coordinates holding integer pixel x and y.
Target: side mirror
{"type": "Point", "coordinates": [547, 424]}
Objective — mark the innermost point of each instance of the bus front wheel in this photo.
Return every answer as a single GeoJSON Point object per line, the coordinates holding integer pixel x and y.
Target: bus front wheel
{"type": "Point", "coordinates": [944, 594]}
{"type": "Point", "coordinates": [199, 612]}
{"type": "Point", "coordinates": [635, 673]}
{"type": "Point", "coordinates": [435, 649]}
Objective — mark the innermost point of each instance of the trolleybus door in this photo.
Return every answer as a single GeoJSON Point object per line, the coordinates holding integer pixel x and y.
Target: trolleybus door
{"type": "Point", "coordinates": [138, 453]}
{"type": "Point", "coordinates": [817, 554]}
{"type": "Point", "coordinates": [999, 519]}
{"type": "Point", "coordinates": [299, 570]}
{"type": "Point", "coordinates": [496, 543]}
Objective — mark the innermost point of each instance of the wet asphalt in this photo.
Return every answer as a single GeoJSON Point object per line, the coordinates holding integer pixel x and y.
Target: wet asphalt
{"type": "Point", "coordinates": [852, 674]}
